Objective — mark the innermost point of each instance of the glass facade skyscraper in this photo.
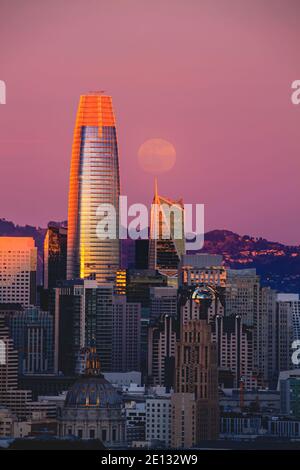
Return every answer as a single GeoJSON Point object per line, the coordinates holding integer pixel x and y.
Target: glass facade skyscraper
{"type": "Point", "coordinates": [55, 255]}
{"type": "Point", "coordinates": [94, 180]}
{"type": "Point", "coordinates": [167, 238]}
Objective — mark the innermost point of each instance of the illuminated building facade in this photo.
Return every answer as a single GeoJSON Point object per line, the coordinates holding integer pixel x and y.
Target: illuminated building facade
{"type": "Point", "coordinates": [94, 180]}
{"type": "Point", "coordinates": [202, 268]}
{"type": "Point", "coordinates": [18, 262]}
{"type": "Point", "coordinates": [120, 282]}
{"type": "Point", "coordinates": [55, 255]}
{"type": "Point", "coordinates": [167, 239]}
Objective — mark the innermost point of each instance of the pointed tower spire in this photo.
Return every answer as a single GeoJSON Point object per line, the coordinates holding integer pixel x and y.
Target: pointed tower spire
{"type": "Point", "coordinates": [155, 190]}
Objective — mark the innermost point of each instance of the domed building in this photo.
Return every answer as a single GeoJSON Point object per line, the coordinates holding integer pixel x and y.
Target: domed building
{"type": "Point", "coordinates": [93, 407]}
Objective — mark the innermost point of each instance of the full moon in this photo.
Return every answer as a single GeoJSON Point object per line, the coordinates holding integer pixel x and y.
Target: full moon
{"type": "Point", "coordinates": [156, 156]}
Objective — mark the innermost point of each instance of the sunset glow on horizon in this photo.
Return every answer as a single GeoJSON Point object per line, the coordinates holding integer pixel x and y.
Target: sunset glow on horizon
{"type": "Point", "coordinates": [212, 78]}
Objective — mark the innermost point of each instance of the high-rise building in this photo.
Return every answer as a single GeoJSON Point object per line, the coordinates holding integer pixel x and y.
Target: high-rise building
{"type": "Point", "coordinates": [138, 286]}
{"type": "Point", "coordinates": [242, 294]}
{"type": "Point", "coordinates": [139, 283]}
{"type": "Point", "coordinates": [167, 237]}
{"type": "Point", "coordinates": [196, 358]}
{"type": "Point", "coordinates": [235, 349]}
{"type": "Point", "coordinates": [33, 335]}
{"type": "Point", "coordinates": [99, 322]}
{"type": "Point", "coordinates": [94, 181]}
{"type": "Point", "coordinates": [264, 341]}
{"type": "Point", "coordinates": [55, 255]}
{"type": "Point", "coordinates": [141, 253]}
{"type": "Point", "coordinates": [135, 413]}
{"type": "Point", "coordinates": [284, 334]}
{"type": "Point", "coordinates": [163, 300]}
{"type": "Point", "coordinates": [158, 420]}
{"type": "Point", "coordinates": [202, 268]}
{"type": "Point", "coordinates": [83, 315]}
{"type": "Point", "coordinates": [128, 253]}
{"type": "Point", "coordinates": [18, 262]}
{"type": "Point", "coordinates": [183, 420]}
{"type": "Point", "coordinates": [293, 302]}
{"type": "Point", "coordinates": [126, 334]}
{"type": "Point", "coordinates": [120, 282]}
{"type": "Point", "coordinates": [256, 305]}
{"type": "Point", "coordinates": [161, 351]}
{"type": "Point", "coordinates": [289, 386]}
{"type": "Point", "coordinates": [10, 395]}
{"type": "Point", "coordinates": [67, 305]}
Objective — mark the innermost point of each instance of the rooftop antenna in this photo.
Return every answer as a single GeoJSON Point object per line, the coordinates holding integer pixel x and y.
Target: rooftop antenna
{"type": "Point", "coordinates": [155, 188]}
{"type": "Point", "coordinates": [97, 92]}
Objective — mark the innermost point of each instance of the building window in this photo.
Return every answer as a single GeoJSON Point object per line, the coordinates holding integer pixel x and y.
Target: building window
{"type": "Point", "coordinates": [79, 434]}
{"type": "Point", "coordinates": [103, 435]}
{"type": "Point", "coordinates": [92, 433]}
{"type": "Point", "coordinates": [114, 435]}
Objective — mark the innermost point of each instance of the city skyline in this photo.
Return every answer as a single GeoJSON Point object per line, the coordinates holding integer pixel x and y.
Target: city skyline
{"type": "Point", "coordinates": [227, 111]}
{"type": "Point", "coordinates": [138, 320]}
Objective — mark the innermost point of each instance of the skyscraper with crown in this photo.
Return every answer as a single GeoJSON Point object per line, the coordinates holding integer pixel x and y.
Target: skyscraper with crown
{"type": "Point", "coordinates": [94, 181]}
{"type": "Point", "coordinates": [167, 242]}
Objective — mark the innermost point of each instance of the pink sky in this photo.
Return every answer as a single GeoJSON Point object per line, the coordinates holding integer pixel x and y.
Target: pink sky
{"type": "Point", "coordinates": [212, 77]}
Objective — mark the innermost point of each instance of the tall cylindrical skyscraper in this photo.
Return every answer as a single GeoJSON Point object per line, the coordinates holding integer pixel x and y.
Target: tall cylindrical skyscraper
{"type": "Point", "coordinates": [94, 180]}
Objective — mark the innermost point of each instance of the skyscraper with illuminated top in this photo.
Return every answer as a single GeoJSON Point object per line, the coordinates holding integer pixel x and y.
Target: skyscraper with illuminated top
{"type": "Point", "coordinates": [94, 180]}
{"type": "Point", "coordinates": [167, 238]}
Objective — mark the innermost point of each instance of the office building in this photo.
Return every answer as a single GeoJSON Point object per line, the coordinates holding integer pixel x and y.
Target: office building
{"type": "Point", "coordinates": [284, 334]}
{"type": "Point", "coordinates": [94, 187]}
{"type": "Point", "coordinates": [183, 420]}
{"type": "Point", "coordinates": [141, 254]}
{"type": "Point", "coordinates": [138, 286]}
{"type": "Point", "coordinates": [126, 335]}
{"type": "Point", "coordinates": [202, 268]}
{"type": "Point", "coordinates": [293, 302]}
{"type": "Point", "coordinates": [161, 351]}
{"type": "Point", "coordinates": [196, 357]}
{"type": "Point", "coordinates": [10, 395]}
{"type": "Point", "coordinates": [18, 263]}
{"type": "Point", "coordinates": [163, 300]}
{"type": "Point", "coordinates": [235, 350]}
{"type": "Point", "coordinates": [135, 413]}
{"type": "Point", "coordinates": [256, 305]}
{"type": "Point", "coordinates": [265, 338]}
{"type": "Point", "coordinates": [83, 314]}
{"type": "Point", "coordinates": [55, 255]}
{"type": "Point", "coordinates": [158, 420]}
{"type": "Point", "coordinates": [242, 294]}
{"type": "Point", "coordinates": [167, 237]}
{"type": "Point", "coordinates": [32, 331]}
{"type": "Point", "coordinates": [290, 395]}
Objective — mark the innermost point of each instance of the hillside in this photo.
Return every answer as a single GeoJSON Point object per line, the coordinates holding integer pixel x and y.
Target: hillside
{"type": "Point", "coordinates": [276, 263]}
